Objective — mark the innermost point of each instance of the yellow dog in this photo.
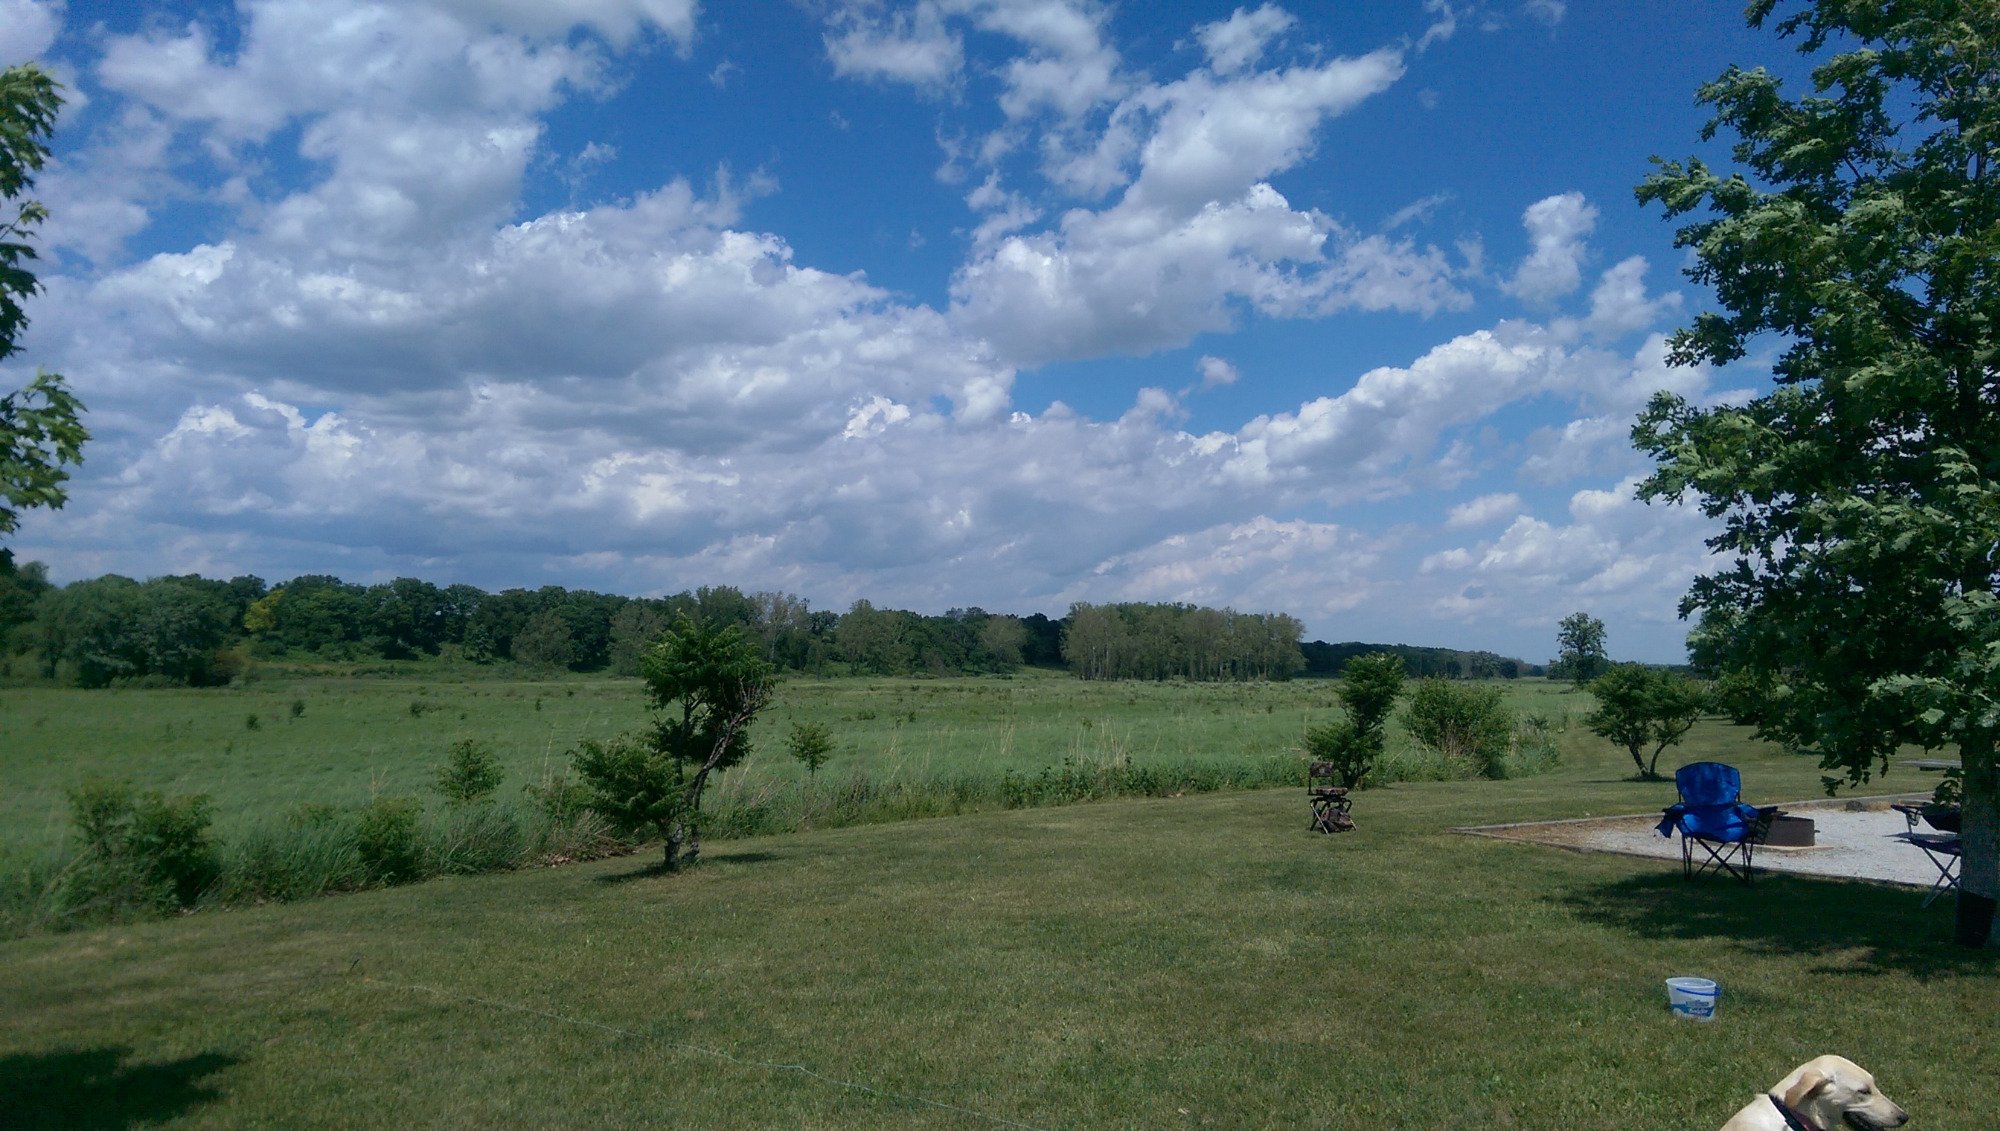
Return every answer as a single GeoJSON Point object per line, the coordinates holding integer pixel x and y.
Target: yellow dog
{"type": "Point", "coordinates": [1821, 1095]}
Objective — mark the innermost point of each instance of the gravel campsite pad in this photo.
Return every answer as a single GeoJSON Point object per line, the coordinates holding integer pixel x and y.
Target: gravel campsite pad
{"type": "Point", "coordinates": [1859, 844]}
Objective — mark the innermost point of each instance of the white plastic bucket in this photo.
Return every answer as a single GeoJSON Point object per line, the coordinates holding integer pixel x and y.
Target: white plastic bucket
{"type": "Point", "coordinates": [1693, 998]}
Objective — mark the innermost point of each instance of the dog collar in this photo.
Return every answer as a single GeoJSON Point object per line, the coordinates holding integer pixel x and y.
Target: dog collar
{"type": "Point", "coordinates": [1794, 1118]}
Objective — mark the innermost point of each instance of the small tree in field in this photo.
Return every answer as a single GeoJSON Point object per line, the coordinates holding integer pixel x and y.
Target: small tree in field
{"type": "Point", "coordinates": [706, 683]}
{"type": "Point", "coordinates": [1369, 687]}
{"type": "Point", "coordinates": [812, 744]}
{"type": "Point", "coordinates": [469, 774]}
{"type": "Point", "coordinates": [1638, 707]}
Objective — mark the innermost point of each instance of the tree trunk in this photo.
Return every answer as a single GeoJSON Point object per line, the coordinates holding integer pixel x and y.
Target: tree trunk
{"type": "Point", "coordinates": [693, 811]}
{"type": "Point", "coordinates": [1979, 837]}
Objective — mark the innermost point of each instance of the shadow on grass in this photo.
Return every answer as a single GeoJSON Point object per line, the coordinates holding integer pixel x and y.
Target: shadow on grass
{"type": "Point", "coordinates": [658, 870]}
{"type": "Point", "coordinates": [97, 1088]}
{"type": "Point", "coordinates": [654, 871]}
{"type": "Point", "coordinates": [742, 857]}
{"type": "Point", "coordinates": [1852, 927]}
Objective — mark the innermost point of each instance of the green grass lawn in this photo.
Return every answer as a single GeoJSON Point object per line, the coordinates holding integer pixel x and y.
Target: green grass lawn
{"type": "Point", "coordinates": [1200, 960]}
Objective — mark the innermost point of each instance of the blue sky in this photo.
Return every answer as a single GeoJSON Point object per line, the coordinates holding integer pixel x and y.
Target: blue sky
{"type": "Point", "coordinates": [1343, 311]}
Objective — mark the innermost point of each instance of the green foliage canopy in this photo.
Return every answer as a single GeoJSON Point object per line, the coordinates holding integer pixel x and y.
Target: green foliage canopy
{"type": "Point", "coordinates": [1860, 498]}
{"type": "Point", "coordinates": [1368, 689]}
{"type": "Point", "coordinates": [705, 682]}
{"type": "Point", "coordinates": [1639, 707]}
{"type": "Point", "coordinates": [812, 744]}
{"type": "Point", "coordinates": [41, 431]}
{"type": "Point", "coordinates": [1465, 722]}
{"type": "Point", "coordinates": [1580, 648]}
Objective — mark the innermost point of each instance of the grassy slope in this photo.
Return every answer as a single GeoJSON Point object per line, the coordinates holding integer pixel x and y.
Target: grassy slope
{"type": "Point", "coordinates": [1200, 960]}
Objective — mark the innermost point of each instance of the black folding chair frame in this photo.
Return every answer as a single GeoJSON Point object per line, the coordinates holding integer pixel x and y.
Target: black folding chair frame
{"type": "Point", "coordinates": [1943, 850]}
{"type": "Point", "coordinates": [1720, 852]}
{"type": "Point", "coordinates": [1719, 859]}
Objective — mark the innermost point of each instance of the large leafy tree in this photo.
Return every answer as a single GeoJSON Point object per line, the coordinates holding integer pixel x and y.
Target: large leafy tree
{"type": "Point", "coordinates": [1580, 648]}
{"type": "Point", "coordinates": [1860, 498]}
{"type": "Point", "coordinates": [40, 425]}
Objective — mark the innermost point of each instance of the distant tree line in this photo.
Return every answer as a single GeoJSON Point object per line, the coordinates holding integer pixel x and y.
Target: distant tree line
{"type": "Point", "coordinates": [1325, 659]}
{"type": "Point", "coordinates": [1172, 641]}
{"type": "Point", "coordinates": [197, 631]}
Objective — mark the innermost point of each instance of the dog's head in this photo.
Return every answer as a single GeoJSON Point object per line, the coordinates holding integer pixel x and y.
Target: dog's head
{"type": "Point", "coordinates": [1835, 1092]}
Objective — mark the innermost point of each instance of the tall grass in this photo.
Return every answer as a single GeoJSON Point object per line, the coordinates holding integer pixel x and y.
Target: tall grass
{"type": "Point", "coordinates": [1109, 740]}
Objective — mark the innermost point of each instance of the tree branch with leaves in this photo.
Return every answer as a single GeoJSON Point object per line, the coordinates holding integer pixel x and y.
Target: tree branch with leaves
{"type": "Point", "coordinates": [41, 430]}
{"type": "Point", "coordinates": [1859, 592]}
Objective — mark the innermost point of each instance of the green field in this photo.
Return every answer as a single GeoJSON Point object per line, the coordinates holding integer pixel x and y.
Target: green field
{"type": "Point", "coordinates": [1199, 959]}
{"type": "Point", "coordinates": [361, 736]}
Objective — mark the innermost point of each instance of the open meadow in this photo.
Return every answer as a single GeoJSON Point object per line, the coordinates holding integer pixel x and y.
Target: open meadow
{"type": "Point", "coordinates": [1198, 960]}
{"type": "Point", "coordinates": [290, 739]}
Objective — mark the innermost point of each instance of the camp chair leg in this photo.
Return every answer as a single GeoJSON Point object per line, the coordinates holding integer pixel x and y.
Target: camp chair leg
{"type": "Point", "coordinates": [1733, 857]}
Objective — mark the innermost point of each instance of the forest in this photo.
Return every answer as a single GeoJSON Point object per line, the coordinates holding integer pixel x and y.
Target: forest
{"type": "Point", "coordinates": [189, 630]}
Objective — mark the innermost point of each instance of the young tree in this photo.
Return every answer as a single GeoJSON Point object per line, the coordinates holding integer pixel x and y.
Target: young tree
{"type": "Point", "coordinates": [41, 431]}
{"type": "Point", "coordinates": [470, 772]}
{"type": "Point", "coordinates": [706, 682]}
{"type": "Point", "coordinates": [1860, 498]}
{"type": "Point", "coordinates": [812, 744]}
{"type": "Point", "coordinates": [1639, 707]}
{"type": "Point", "coordinates": [1580, 648]}
{"type": "Point", "coordinates": [1369, 687]}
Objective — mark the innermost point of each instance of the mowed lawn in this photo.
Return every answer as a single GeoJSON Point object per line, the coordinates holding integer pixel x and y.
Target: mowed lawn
{"type": "Point", "coordinates": [1191, 961]}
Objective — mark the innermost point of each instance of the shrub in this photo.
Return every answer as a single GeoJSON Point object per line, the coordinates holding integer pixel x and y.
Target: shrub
{"type": "Point", "coordinates": [139, 849]}
{"type": "Point", "coordinates": [386, 838]}
{"type": "Point", "coordinates": [470, 772]}
{"type": "Point", "coordinates": [1638, 707]}
{"type": "Point", "coordinates": [1464, 722]}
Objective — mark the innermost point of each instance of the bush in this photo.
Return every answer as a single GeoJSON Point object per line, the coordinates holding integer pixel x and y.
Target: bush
{"type": "Point", "coordinates": [1464, 722]}
{"type": "Point", "coordinates": [139, 850]}
{"type": "Point", "coordinates": [1638, 707]}
{"type": "Point", "coordinates": [470, 772]}
{"type": "Point", "coordinates": [386, 838]}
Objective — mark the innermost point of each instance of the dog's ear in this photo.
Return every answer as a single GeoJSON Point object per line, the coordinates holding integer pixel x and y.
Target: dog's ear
{"type": "Point", "coordinates": [1808, 1086]}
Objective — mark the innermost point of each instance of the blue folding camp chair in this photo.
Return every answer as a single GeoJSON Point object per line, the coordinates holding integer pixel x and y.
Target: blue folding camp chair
{"type": "Point", "coordinates": [1711, 814]}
